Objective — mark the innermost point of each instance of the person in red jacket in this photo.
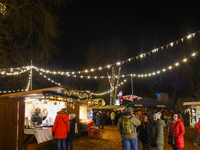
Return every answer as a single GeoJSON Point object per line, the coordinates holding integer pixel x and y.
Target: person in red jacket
{"type": "Point", "coordinates": [178, 130]}
{"type": "Point", "coordinates": [198, 133]}
{"type": "Point", "coordinates": [60, 128]}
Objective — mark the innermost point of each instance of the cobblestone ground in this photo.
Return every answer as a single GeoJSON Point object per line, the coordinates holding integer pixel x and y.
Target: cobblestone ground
{"type": "Point", "coordinates": [111, 140]}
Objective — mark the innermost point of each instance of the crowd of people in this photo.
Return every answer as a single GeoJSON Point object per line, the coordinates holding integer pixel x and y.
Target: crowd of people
{"type": "Point", "coordinates": [148, 128]}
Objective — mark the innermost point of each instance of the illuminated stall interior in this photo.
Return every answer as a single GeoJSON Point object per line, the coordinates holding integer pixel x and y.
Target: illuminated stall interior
{"type": "Point", "coordinates": [194, 112]}
{"type": "Point", "coordinates": [49, 106]}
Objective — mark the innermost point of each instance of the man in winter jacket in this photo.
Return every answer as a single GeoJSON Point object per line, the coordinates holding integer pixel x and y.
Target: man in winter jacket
{"type": "Point", "coordinates": [157, 134]}
{"type": "Point", "coordinates": [60, 128]}
{"type": "Point", "coordinates": [198, 133]}
{"type": "Point", "coordinates": [37, 116]}
{"type": "Point", "coordinates": [129, 140]}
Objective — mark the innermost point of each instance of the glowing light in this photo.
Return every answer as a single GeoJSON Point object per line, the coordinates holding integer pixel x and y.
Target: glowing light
{"type": "Point", "coordinates": [100, 68]}
{"type": "Point", "coordinates": [193, 54]}
{"type": "Point", "coordinates": [176, 64]}
{"type": "Point", "coordinates": [153, 73]}
{"type": "Point", "coordinates": [92, 70]}
{"type": "Point", "coordinates": [189, 36]}
{"type": "Point", "coordinates": [108, 66]}
{"type": "Point", "coordinates": [145, 75]}
{"type": "Point", "coordinates": [164, 70]}
{"type": "Point", "coordinates": [86, 71]}
{"type": "Point", "coordinates": [170, 67]}
{"type": "Point", "coordinates": [172, 44]}
{"type": "Point", "coordinates": [158, 72]}
{"type": "Point", "coordinates": [185, 60]}
{"type": "Point", "coordinates": [118, 63]}
{"type": "Point", "coordinates": [141, 55]}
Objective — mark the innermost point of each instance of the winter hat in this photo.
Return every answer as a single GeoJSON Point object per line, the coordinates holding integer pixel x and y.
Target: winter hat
{"type": "Point", "coordinates": [125, 110]}
{"type": "Point", "coordinates": [130, 110]}
{"type": "Point", "coordinates": [157, 115]}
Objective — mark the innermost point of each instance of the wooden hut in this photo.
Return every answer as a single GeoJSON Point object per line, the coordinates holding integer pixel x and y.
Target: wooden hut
{"type": "Point", "coordinates": [12, 119]}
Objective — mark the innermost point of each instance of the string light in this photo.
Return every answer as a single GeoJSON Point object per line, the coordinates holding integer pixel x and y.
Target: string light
{"type": "Point", "coordinates": [132, 58]}
{"type": "Point", "coordinates": [3, 8]}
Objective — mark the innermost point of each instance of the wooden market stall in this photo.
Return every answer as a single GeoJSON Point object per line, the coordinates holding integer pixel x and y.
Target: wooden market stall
{"type": "Point", "coordinates": [13, 110]}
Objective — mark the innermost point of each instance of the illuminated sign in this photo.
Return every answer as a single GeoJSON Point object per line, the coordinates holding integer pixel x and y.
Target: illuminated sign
{"type": "Point", "coordinates": [160, 105]}
{"type": "Point", "coordinates": [138, 105]}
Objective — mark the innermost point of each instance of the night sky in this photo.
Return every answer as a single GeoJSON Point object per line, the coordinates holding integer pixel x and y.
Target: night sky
{"type": "Point", "coordinates": [140, 25]}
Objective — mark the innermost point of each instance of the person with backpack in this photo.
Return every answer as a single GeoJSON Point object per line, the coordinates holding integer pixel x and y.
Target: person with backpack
{"type": "Point", "coordinates": [157, 133]}
{"type": "Point", "coordinates": [144, 131]}
{"type": "Point", "coordinates": [127, 128]}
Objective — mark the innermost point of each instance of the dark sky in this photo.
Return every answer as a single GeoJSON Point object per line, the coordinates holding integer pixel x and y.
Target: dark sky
{"type": "Point", "coordinates": [140, 25]}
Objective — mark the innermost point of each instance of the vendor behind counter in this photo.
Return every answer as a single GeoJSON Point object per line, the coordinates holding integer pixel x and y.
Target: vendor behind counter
{"type": "Point", "coordinates": [37, 116]}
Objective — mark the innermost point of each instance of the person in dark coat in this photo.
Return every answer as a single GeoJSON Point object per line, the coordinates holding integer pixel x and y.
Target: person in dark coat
{"type": "Point", "coordinates": [177, 128]}
{"type": "Point", "coordinates": [71, 133]}
{"type": "Point", "coordinates": [157, 133]}
{"type": "Point", "coordinates": [98, 119]}
{"type": "Point", "coordinates": [103, 119]}
{"type": "Point", "coordinates": [144, 131]}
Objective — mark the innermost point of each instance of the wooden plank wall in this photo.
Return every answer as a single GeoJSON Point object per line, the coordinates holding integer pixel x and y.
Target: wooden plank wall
{"type": "Point", "coordinates": [10, 111]}
{"type": "Point", "coordinates": [73, 110]}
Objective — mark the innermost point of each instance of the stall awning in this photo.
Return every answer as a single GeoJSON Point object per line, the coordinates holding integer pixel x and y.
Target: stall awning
{"type": "Point", "coordinates": [57, 89]}
{"type": "Point", "coordinates": [191, 103]}
{"type": "Point", "coordinates": [148, 102]}
{"type": "Point", "coordinates": [106, 107]}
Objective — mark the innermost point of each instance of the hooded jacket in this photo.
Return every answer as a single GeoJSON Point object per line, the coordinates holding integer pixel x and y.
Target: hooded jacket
{"type": "Point", "coordinates": [157, 135]}
{"type": "Point", "coordinates": [179, 131]}
{"type": "Point", "coordinates": [60, 127]}
{"type": "Point", "coordinates": [134, 122]}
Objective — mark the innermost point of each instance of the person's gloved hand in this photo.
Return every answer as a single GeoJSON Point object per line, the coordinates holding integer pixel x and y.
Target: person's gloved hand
{"type": "Point", "coordinates": [53, 133]}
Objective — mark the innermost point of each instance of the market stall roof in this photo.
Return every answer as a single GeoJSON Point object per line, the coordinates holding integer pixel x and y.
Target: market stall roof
{"type": "Point", "coordinates": [33, 93]}
{"type": "Point", "coordinates": [148, 102]}
{"type": "Point", "coordinates": [191, 103]}
{"type": "Point", "coordinates": [106, 107]}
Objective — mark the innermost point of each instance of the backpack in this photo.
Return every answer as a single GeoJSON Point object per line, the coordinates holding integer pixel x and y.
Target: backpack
{"type": "Point", "coordinates": [126, 125]}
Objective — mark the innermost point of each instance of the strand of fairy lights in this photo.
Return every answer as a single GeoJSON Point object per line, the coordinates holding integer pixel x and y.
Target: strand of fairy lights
{"type": "Point", "coordinates": [96, 94]}
{"type": "Point", "coordinates": [134, 75]}
{"type": "Point", "coordinates": [3, 8]}
{"type": "Point", "coordinates": [13, 91]}
{"type": "Point", "coordinates": [29, 81]}
{"type": "Point", "coordinates": [164, 69]}
{"type": "Point", "coordinates": [12, 71]}
{"type": "Point", "coordinates": [121, 62]}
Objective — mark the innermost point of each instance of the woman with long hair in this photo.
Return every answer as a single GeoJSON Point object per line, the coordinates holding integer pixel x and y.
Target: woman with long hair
{"type": "Point", "coordinates": [144, 131]}
{"type": "Point", "coordinates": [177, 130]}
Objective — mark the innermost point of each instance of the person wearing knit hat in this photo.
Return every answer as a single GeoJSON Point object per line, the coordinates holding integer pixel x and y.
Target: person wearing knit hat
{"type": "Point", "coordinates": [157, 115]}
{"type": "Point", "coordinates": [127, 128]}
{"type": "Point", "coordinates": [130, 110]}
{"type": "Point", "coordinates": [157, 133]}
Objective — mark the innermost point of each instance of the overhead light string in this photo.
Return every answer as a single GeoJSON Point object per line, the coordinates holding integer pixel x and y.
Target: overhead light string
{"type": "Point", "coordinates": [119, 63]}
